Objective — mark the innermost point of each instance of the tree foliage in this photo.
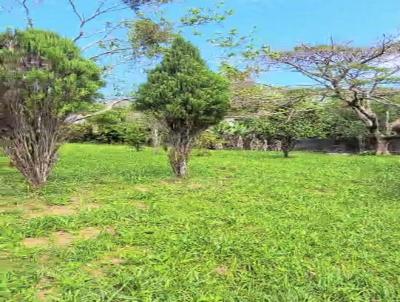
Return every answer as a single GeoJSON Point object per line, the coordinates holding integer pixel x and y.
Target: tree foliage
{"type": "Point", "coordinates": [149, 38]}
{"type": "Point", "coordinates": [137, 4]}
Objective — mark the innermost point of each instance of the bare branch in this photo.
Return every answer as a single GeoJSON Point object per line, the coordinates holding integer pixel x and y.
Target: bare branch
{"type": "Point", "coordinates": [110, 52]}
{"type": "Point", "coordinates": [99, 11]}
{"type": "Point", "coordinates": [24, 4]}
{"type": "Point", "coordinates": [109, 106]}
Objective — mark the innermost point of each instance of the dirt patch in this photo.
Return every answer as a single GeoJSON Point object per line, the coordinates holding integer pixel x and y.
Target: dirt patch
{"type": "Point", "coordinates": [195, 186]}
{"type": "Point", "coordinates": [115, 261]}
{"type": "Point", "coordinates": [36, 242]}
{"type": "Point", "coordinates": [110, 230]}
{"type": "Point", "coordinates": [93, 232]}
{"type": "Point", "coordinates": [26, 207]}
{"type": "Point", "coordinates": [141, 205]}
{"type": "Point", "coordinates": [89, 233]}
{"type": "Point", "coordinates": [76, 199]}
{"type": "Point", "coordinates": [41, 210]}
{"type": "Point", "coordinates": [6, 262]}
{"type": "Point", "coordinates": [99, 267]}
{"type": "Point", "coordinates": [173, 180]}
{"type": "Point", "coordinates": [142, 189]}
{"type": "Point", "coordinates": [44, 295]}
{"type": "Point", "coordinates": [44, 259]}
{"type": "Point", "coordinates": [59, 210]}
{"type": "Point", "coordinates": [91, 206]}
{"type": "Point", "coordinates": [66, 210]}
{"type": "Point", "coordinates": [44, 290]}
{"type": "Point", "coordinates": [222, 270]}
{"type": "Point", "coordinates": [62, 238]}
{"type": "Point", "coordinates": [5, 255]}
{"type": "Point", "coordinates": [112, 258]}
{"type": "Point", "coordinates": [95, 272]}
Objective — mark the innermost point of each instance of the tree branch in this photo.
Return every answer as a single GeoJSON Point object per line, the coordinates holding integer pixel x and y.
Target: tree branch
{"type": "Point", "coordinates": [100, 10]}
{"type": "Point", "coordinates": [110, 106]}
{"type": "Point", "coordinates": [24, 4]}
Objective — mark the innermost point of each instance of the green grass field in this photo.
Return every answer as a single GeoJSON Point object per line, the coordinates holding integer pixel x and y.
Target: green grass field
{"type": "Point", "coordinates": [114, 225]}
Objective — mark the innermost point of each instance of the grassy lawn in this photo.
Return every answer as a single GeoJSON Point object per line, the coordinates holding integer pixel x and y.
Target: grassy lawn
{"type": "Point", "coordinates": [113, 225]}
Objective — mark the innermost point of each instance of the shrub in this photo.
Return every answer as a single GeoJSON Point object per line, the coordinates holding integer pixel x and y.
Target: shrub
{"type": "Point", "coordinates": [209, 140]}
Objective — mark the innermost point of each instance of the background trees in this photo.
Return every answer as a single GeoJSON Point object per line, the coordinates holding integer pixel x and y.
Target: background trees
{"type": "Point", "coordinates": [291, 121]}
{"type": "Point", "coordinates": [359, 77]}
{"type": "Point", "coordinates": [186, 96]}
{"type": "Point", "coordinates": [274, 118]}
{"type": "Point", "coordinates": [43, 79]}
{"type": "Point", "coordinates": [116, 126]}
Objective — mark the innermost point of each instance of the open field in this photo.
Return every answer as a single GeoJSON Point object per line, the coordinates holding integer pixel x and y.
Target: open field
{"type": "Point", "coordinates": [113, 225]}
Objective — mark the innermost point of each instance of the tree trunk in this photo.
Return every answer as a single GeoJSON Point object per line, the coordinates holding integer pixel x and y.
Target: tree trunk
{"type": "Point", "coordinates": [371, 121]}
{"type": "Point", "coordinates": [179, 153]}
{"type": "Point", "coordinates": [33, 143]}
{"type": "Point", "coordinates": [287, 145]}
{"type": "Point", "coordinates": [155, 138]}
{"type": "Point", "coordinates": [361, 143]}
{"type": "Point", "coordinates": [239, 142]}
{"type": "Point", "coordinates": [35, 160]}
{"type": "Point", "coordinates": [265, 145]}
{"type": "Point", "coordinates": [285, 153]}
{"type": "Point", "coordinates": [382, 146]}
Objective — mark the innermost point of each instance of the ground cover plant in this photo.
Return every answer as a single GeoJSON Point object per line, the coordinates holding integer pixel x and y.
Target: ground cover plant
{"type": "Point", "coordinates": [115, 225]}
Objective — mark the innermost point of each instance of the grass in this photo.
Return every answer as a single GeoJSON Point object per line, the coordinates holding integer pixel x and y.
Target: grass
{"type": "Point", "coordinates": [113, 225]}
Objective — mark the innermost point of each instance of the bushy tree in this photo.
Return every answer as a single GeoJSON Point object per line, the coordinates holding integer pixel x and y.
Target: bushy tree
{"type": "Point", "coordinates": [43, 79]}
{"type": "Point", "coordinates": [209, 140]}
{"type": "Point", "coordinates": [292, 118]}
{"type": "Point", "coordinates": [186, 96]}
{"type": "Point", "coordinates": [135, 135]}
{"type": "Point", "coordinates": [109, 127]}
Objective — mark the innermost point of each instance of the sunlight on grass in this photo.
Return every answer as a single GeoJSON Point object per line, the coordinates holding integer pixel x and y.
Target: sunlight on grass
{"type": "Point", "coordinates": [246, 226]}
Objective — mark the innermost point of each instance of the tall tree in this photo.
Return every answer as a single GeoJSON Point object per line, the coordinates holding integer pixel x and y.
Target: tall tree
{"type": "Point", "coordinates": [356, 76]}
{"type": "Point", "coordinates": [43, 79]}
{"type": "Point", "coordinates": [186, 96]}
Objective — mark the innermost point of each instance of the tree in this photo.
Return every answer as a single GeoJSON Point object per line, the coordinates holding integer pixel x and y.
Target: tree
{"type": "Point", "coordinates": [186, 96]}
{"type": "Point", "coordinates": [43, 79]}
{"type": "Point", "coordinates": [135, 136]}
{"type": "Point", "coordinates": [292, 120]}
{"type": "Point", "coordinates": [356, 76]}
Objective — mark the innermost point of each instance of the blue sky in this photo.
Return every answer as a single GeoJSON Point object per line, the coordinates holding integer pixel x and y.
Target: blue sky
{"type": "Point", "coordinates": [281, 24]}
